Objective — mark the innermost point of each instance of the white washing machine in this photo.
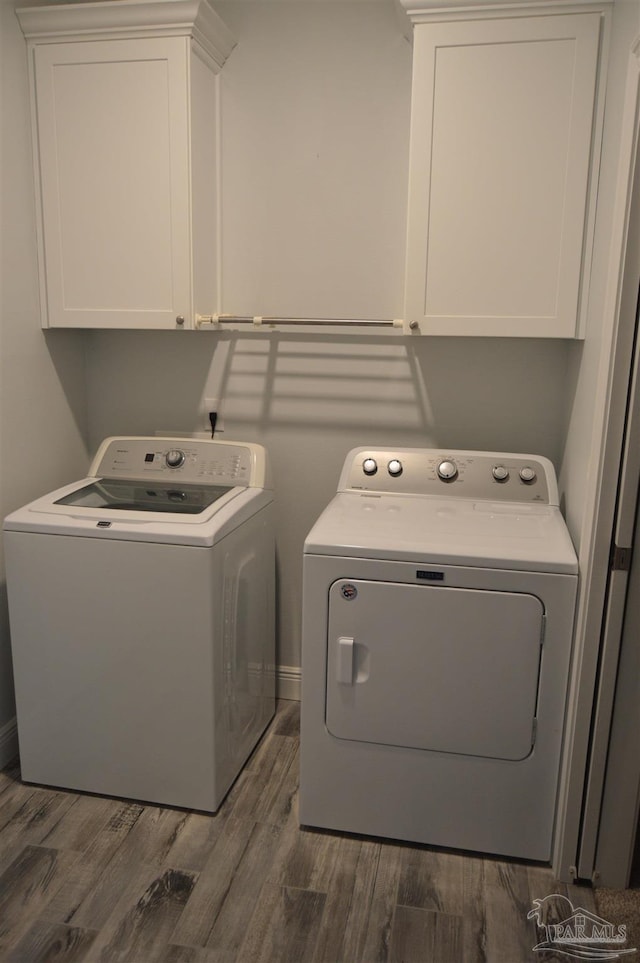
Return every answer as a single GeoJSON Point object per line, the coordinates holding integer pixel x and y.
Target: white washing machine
{"type": "Point", "coordinates": [439, 596]}
{"type": "Point", "coordinates": [141, 604]}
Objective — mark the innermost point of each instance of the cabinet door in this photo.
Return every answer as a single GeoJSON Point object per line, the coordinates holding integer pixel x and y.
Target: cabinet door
{"type": "Point", "coordinates": [113, 164]}
{"type": "Point", "coordinates": [501, 145]}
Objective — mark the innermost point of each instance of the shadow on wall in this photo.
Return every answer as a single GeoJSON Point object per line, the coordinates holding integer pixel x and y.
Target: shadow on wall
{"type": "Point", "coordinates": [491, 394]}
{"type": "Point", "coordinates": [287, 381]}
{"type": "Point", "coordinates": [499, 394]}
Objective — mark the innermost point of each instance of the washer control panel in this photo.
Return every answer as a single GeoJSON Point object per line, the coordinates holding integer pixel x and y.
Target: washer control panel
{"type": "Point", "coordinates": [497, 476]}
{"type": "Point", "coordinates": [187, 460]}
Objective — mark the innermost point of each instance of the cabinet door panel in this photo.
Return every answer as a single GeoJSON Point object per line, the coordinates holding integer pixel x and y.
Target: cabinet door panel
{"type": "Point", "coordinates": [502, 121]}
{"type": "Point", "coordinates": [113, 148]}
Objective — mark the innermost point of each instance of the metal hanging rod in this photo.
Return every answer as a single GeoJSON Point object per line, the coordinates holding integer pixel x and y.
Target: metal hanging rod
{"type": "Point", "coordinates": [213, 319]}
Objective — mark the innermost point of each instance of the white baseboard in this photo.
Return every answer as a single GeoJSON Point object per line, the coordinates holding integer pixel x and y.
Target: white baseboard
{"type": "Point", "coordinates": [8, 742]}
{"type": "Point", "coordinates": [289, 682]}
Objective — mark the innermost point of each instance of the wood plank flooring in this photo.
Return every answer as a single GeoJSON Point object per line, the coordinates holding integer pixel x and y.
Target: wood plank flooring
{"type": "Point", "coordinates": [84, 878]}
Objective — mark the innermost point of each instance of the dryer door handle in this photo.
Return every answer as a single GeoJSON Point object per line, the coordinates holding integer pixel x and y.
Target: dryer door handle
{"type": "Point", "coordinates": [344, 661]}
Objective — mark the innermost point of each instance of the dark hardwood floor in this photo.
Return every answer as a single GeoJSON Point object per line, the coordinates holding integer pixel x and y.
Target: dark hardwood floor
{"type": "Point", "coordinates": [85, 878]}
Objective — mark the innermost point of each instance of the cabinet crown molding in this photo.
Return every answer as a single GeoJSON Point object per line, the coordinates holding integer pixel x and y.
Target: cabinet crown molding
{"type": "Point", "coordinates": [420, 11]}
{"type": "Point", "coordinates": [123, 19]}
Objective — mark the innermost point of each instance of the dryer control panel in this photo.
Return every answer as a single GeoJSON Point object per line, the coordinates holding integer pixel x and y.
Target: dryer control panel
{"type": "Point", "coordinates": [187, 460]}
{"type": "Point", "coordinates": [496, 476]}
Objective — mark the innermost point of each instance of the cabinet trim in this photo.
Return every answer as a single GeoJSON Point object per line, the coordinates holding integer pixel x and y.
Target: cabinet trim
{"type": "Point", "coordinates": [421, 11]}
{"type": "Point", "coordinates": [130, 19]}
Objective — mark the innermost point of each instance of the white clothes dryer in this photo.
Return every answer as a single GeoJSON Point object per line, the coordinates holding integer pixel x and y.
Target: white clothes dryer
{"type": "Point", "coordinates": [439, 596]}
{"type": "Point", "coordinates": [141, 604]}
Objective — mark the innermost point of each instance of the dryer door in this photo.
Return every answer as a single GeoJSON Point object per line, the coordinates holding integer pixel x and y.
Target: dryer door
{"type": "Point", "coordinates": [427, 667]}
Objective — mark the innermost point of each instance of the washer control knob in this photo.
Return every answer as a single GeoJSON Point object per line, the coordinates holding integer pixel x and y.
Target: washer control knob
{"type": "Point", "coordinates": [395, 467]}
{"type": "Point", "coordinates": [527, 474]}
{"type": "Point", "coordinates": [447, 470]}
{"type": "Point", "coordinates": [369, 466]}
{"type": "Point", "coordinates": [174, 458]}
{"type": "Point", "coordinates": [500, 473]}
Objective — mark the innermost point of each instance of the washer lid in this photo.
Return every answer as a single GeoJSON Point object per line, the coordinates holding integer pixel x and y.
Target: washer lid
{"type": "Point", "coordinates": [63, 512]}
{"type": "Point", "coordinates": [173, 490]}
{"type": "Point", "coordinates": [449, 531]}
{"type": "Point", "coordinates": [116, 494]}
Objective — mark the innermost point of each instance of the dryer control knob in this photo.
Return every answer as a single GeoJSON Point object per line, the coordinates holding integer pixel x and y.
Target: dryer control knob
{"type": "Point", "coordinates": [174, 458]}
{"type": "Point", "coordinates": [395, 467]}
{"type": "Point", "coordinates": [500, 473]}
{"type": "Point", "coordinates": [527, 474]}
{"type": "Point", "coordinates": [369, 466]}
{"type": "Point", "coordinates": [447, 470]}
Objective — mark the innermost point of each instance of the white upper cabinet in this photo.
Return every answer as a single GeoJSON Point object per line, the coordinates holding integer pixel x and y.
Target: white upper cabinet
{"type": "Point", "coordinates": [124, 121]}
{"type": "Point", "coordinates": [502, 168]}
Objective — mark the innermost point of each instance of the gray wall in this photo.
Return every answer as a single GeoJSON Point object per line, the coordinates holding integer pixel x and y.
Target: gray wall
{"type": "Point", "coordinates": [43, 418]}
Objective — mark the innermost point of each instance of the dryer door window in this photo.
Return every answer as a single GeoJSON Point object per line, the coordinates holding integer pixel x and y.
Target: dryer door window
{"type": "Point", "coordinates": [427, 667]}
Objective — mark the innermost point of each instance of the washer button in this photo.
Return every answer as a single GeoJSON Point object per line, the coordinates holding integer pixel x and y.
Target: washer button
{"type": "Point", "coordinates": [527, 474]}
{"type": "Point", "coordinates": [369, 466]}
{"type": "Point", "coordinates": [500, 473]}
{"type": "Point", "coordinates": [447, 470]}
{"type": "Point", "coordinates": [395, 467]}
{"type": "Point", "coordinates": [174, 458]}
